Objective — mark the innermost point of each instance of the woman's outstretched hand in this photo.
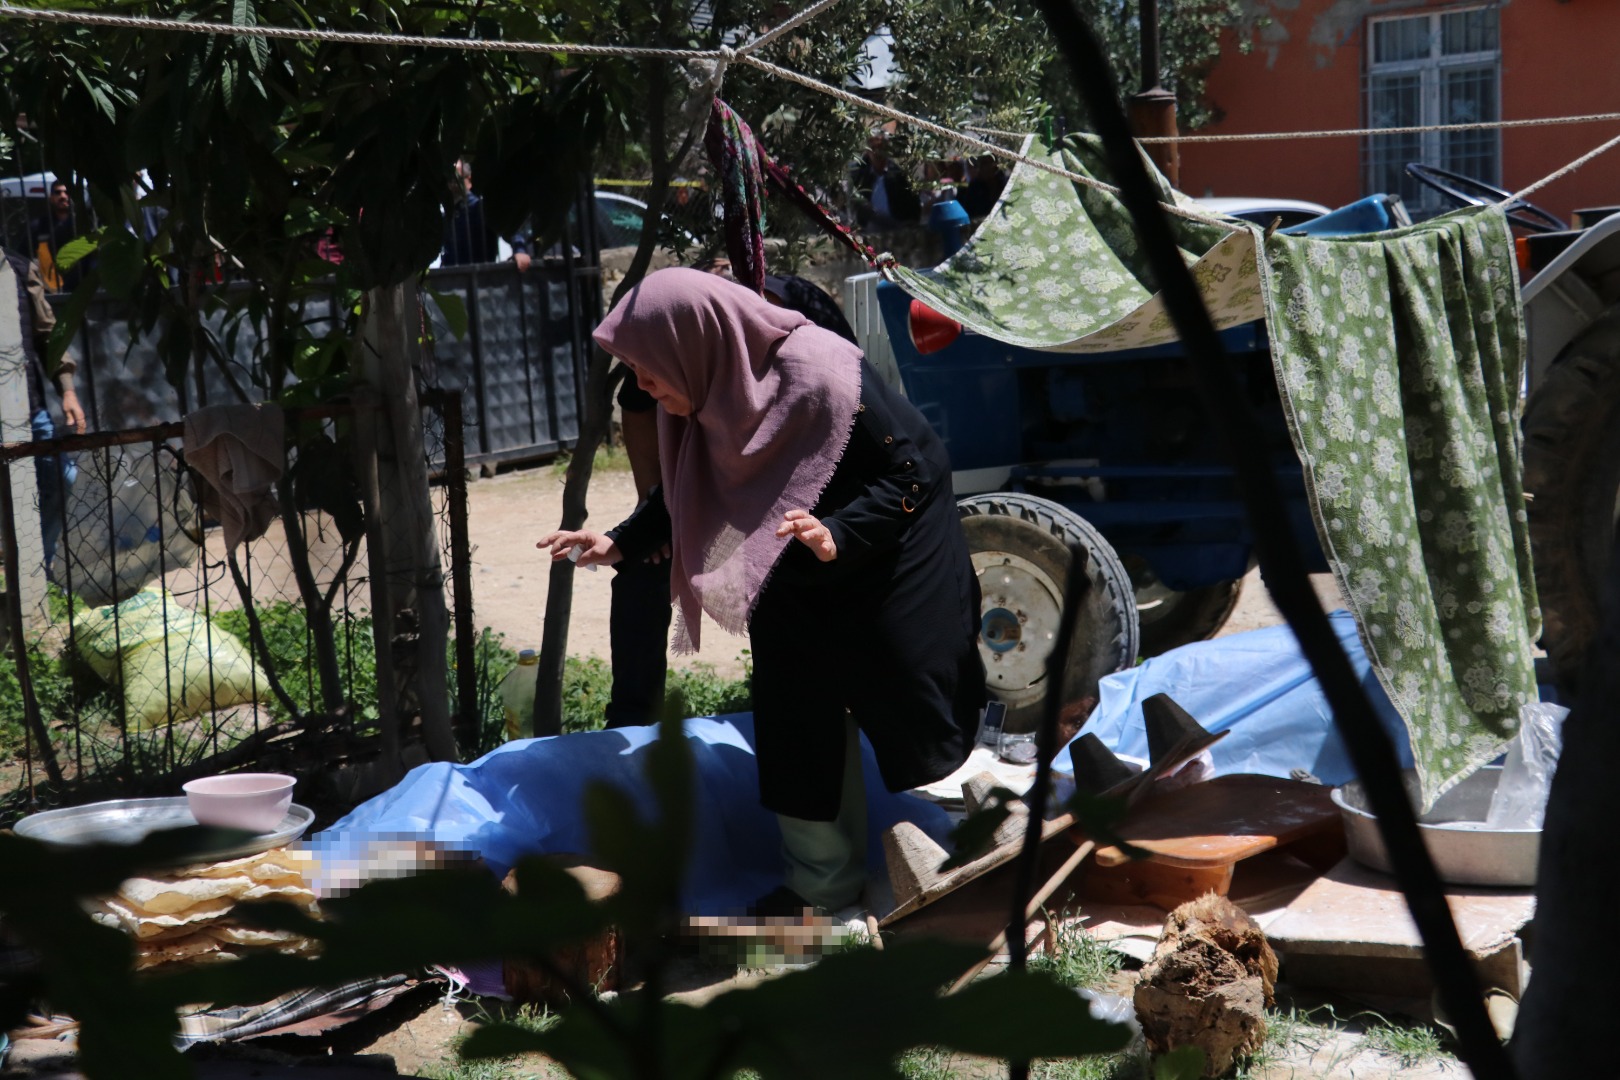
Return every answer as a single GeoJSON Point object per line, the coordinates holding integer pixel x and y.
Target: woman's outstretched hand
{"type": "Point", "coordinates": [596, 549]}
{"type": "Point", "coordinates": [810, 532]}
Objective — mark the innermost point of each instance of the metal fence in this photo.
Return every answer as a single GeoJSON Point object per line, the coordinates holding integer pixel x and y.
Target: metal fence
{"type": "Point", "coordinates": [148, 653]}
{"type": "Point", "coordinates": [520, 363]}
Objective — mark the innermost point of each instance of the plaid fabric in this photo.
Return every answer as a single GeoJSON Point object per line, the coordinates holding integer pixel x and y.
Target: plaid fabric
{"type": "Point", "coordinates": [246, 1021]}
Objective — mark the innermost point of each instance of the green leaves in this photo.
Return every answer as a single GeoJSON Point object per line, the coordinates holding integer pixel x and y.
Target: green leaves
{"type": "Point", "coordinates": [1183, 1063]}
{"type": "Point", "coordinates": [86, 969]}
{"type": "Point", "coordinates": [849, 1016]}
{"type": "Point", "coordinates": [68, 255]}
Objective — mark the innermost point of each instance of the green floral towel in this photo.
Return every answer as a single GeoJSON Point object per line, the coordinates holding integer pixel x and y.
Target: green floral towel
{"type": "Point", "coordinates": [1057, 267]}
{"type": "Point", "coordinates": [1399, 357]}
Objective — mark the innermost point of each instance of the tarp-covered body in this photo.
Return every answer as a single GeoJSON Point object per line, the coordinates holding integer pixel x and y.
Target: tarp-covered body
{"type": "Point", "coordinates": [526, 798]}
{"type": "Point", "coordinates": [1397, 360]}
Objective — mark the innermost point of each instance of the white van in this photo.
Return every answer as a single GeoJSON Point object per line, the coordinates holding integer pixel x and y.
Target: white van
{"type": "Point", "coordinates": [22, 199]}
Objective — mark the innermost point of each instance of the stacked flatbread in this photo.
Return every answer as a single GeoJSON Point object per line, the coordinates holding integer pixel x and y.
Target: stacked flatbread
{"type": "Point", "coordinates": [186, 916]}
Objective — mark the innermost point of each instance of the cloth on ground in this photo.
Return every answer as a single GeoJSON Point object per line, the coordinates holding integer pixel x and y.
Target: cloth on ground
{"type": "Point", "coordinates": [238, 450]}
{"type": "Point", "coordinates": [233, 1022]}
{"type": "Point", "coordinates": [524, 799]}
{"type": "Point", "coordinates": [1257, 685]}
{"type": "Point", "coordinates": [1057, 267]}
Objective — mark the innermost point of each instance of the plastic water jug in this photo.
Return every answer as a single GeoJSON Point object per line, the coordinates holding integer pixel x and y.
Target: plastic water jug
{"type": "Point", "coordinates": [517, 696]}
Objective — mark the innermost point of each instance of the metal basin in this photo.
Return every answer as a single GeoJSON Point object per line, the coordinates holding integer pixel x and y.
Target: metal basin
{"type": "Point", "coordinates": [1465, 852]}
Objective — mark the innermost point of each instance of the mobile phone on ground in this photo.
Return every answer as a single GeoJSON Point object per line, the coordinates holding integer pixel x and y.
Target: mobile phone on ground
{"type": "Point", "coordinates": [991, 721]}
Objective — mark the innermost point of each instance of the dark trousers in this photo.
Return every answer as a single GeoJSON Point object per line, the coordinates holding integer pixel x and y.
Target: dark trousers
{"type": "Point", "coordinates": [638, 632]}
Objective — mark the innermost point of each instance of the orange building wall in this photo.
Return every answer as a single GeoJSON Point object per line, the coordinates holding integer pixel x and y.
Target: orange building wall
{"type": "Point", "coordinates": [1304, 73]}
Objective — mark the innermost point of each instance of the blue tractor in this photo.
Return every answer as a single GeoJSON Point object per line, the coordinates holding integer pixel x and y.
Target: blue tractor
{"type": "Point", "coordinates": [1113, 452]}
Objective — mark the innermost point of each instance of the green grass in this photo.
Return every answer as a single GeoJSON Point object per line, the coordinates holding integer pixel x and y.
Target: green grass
{"type": "Point", "coordinates": [1410, 1046]}
{"type": "Point", "coordinates": [695, 691]}
{"type": "Point", "coordinates": [926, 1063]}
{"type": "Point", "coordinates": [1286, 1030]}
{"type": "Point", "coordinates": [1082, 962]}
{"type": "Point", "coordinates": [529, 1018]}
{"type": "Point", "coordinates": [290, 643]}
{"type": "Point", "coordinates": [609, 458]}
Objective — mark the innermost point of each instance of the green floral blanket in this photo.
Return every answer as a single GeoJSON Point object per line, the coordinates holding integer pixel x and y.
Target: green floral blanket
{"type": "Point", "coordinates": [1399, 358]}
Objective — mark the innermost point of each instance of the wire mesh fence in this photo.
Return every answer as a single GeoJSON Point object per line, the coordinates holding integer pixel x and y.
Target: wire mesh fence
{"type": "Point", "coordinates": [145, 649]}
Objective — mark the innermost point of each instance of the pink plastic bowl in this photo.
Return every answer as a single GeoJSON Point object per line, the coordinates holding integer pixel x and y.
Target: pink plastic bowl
{"type": "Point", "coordinates": [257, 801]}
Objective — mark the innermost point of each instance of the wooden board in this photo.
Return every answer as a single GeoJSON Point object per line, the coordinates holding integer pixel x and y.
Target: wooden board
{"type": "Point", "coordinates": [1159, 884]}
{"type": "Point", "coordinates": [1224, 821]}
{"type": "Point", "coordinates": [913, 859]}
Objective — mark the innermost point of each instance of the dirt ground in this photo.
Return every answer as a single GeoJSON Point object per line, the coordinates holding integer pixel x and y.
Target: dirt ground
{"type": "Point", "coordinates": [509, 512]}
{"type": "Point", "coordinates": [506, 515]}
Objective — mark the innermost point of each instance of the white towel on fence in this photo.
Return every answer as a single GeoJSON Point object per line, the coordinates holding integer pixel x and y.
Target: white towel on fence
{"type": "Point", "coordinates": [239, 451]}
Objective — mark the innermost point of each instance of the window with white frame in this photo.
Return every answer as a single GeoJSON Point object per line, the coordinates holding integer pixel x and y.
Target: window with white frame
{"type": "Point", "coordinates": [1438, 67]}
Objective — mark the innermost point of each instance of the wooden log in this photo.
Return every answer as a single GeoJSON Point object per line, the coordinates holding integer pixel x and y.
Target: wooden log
{"type": "Point", "coordinates": [1208, 984]}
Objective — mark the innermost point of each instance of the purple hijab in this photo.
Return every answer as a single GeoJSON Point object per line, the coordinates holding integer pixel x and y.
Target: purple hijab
{"type": "Point", "coordinates": [773, 403]}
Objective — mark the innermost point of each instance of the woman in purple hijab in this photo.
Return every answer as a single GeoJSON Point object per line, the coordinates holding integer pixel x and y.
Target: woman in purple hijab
{"type": "Point", "coordinates": [809, 505]}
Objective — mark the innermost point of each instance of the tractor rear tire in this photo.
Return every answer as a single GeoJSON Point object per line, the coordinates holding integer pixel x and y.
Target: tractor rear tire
{"type": "Point", "coordinates": [1572, 475]}
{"type": "Point", "coordinates": [1020, 549]}
{"type": "Point", "coordinates": [1182, 618]}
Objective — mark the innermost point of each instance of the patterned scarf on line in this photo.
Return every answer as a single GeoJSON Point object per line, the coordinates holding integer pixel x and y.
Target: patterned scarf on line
{"type": "Point", "coordinates": [745, 169]}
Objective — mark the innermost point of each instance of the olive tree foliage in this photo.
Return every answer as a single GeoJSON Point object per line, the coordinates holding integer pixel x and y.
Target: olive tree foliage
{"type": "Point", "coordinates": [254, 149]}
{"type": "Point", "coordinates": [1191, 33]}
{"type": "Point", "coordinates": [256, 154]}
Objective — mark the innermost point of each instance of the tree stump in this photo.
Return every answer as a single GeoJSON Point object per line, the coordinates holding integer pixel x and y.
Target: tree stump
{"type": "Point", "coordinates": [1208, 984]}
{"type": "Point", "coordinates": [596, 963]}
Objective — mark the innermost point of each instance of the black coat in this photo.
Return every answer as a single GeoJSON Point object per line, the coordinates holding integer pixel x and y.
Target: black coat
{"type": "Point", "coordinates": [887, 630]}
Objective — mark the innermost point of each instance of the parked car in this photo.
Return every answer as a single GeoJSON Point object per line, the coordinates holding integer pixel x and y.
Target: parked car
{"type": "Point", "coordinates": [22, 199]}
{"type": "Point", "coordinates": [619, 219]}
{"type": "Point", "coordinates": [1290, 212]}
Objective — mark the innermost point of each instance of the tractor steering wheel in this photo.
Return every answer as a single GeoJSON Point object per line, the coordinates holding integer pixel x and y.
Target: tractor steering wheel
{"type": "Point", "coordinates": [1466, 191]}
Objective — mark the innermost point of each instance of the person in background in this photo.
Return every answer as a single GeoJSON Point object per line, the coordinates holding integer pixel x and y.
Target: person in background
{"type": "Point", "coordinates": [51, 232]}
{"type": "Point", "coordinates": [984, 187]}
{"type": "Point", "coordinates": [55, 473]}
{"type": "Point", "coordinates": [809, 504]}
{"type": "Point", "coordinates": [884, 194]}
{"type": "Point", "coordinates": [468, 239]}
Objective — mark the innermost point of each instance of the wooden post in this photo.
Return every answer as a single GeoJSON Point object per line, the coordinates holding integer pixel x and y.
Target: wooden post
{"type": "Point", "coordinates": [27, 577]}
{"type": "Point", "coordinates": [407, 575]}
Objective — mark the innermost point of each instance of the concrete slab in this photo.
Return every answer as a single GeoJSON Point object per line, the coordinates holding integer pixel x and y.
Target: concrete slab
{"type": "Point", "coordinates": [1350, 931]}
{"type": "Point", "coordinates": [1352, 910]}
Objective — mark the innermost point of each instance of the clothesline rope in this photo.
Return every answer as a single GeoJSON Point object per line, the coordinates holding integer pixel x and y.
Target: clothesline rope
{"type": "Point", "coordinates": [1481, 125]}
{"type": "Point", "coordinates": [963, 137]}
{"type": "Point", "coordinates": [725, 55]}
{"type": "Point", "coordinates": [352, 37]}
{"type": "Point", "coordinates": [720, 57]}
{"type": "Point", "coordinates": [1331, 133]}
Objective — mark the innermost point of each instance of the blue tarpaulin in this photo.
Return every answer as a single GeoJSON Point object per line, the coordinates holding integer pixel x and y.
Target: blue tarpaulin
{"type": "Point", "coordinates": [524, 798]}
{"type": "Point", "coordinates": [1258, 686]}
